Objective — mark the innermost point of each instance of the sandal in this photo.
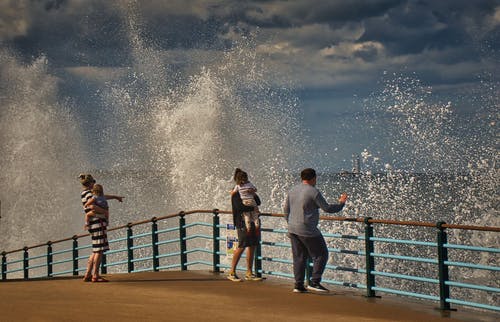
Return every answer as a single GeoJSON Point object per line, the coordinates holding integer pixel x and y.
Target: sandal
{"type": "Point", "coordinates": [99, 280]}
{"type": "Point", "coordinates": [87, 278]}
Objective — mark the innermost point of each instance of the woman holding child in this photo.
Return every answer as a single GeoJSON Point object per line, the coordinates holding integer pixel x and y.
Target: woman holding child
{"type": "Point", "coordinates": [248, 230]}
{"type": "Point", "coordinates": [96, 222]}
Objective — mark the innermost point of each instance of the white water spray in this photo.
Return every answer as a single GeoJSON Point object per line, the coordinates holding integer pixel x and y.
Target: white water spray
{"type": "Point", "coordinates": [41, 155]}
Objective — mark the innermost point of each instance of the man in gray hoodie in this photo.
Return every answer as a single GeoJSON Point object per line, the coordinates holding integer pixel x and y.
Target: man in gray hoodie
{"type": "Point", "coordinates": [301, 209]}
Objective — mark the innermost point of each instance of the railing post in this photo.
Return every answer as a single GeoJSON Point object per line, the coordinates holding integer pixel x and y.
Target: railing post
{"type": "Point", "coordinates": [4, 266]}
{"type": "Point", "coordinates": [130, 251]}
{"type": "Point", "coordinates": [444, 290]}
{"type": "Point", "coordinates": [370, 260]}
{"type": "Point", "coordinates": [49, 259]}
{"type": "Point", "coordinates": [25, 263]}
{"type": "Point", "coordinates": [258, 255]}
{"type": "Point", "coordinates": [308, 269]}
{"type": "Point", "coordinates": [215, 241]}
{"type": "Point", "coordinates": [104, 264]}
{"type": "Point", "coordinates": [154, 243]}
{"type": "Point", "coordinates": [75, 255]}
{"type": "Point", "coordinates": [182, 240]}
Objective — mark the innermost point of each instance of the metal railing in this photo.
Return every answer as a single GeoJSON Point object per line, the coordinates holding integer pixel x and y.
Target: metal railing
{"type": "Point", "coordinates": [427, 267]}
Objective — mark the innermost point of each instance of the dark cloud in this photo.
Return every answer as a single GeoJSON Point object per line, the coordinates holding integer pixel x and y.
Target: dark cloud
{"type": "Point", "coordinates": [368, 52]}
{"type": "Point", "coordinates": [164, 32]}
{"type": "Point", "coordinates": [89, 35]}
{"type": "Point", "coordinates": [299, 13]}
{"type": "Point", "coordinates": [335, 53]}
{"type": "Point", "coordinates": [53, 4]}
{"type": "Point", "coordinates": [323, 44]}
{"type": "Point", "coordinates": [98, 33]}
{"type": "Point", "coordinates": [416, 26]}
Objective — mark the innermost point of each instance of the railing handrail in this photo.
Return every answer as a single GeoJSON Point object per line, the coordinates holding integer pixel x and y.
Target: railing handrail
{"type": "Point", "coordinates": [322, 217]}
{"type": "Point", "coordinates": [397, 222]}
{"type": "Point", "coordinates": [372, 255]}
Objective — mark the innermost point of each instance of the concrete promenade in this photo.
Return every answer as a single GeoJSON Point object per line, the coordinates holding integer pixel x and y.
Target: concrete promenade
{"type": "Point", "coordinates": [203, 296]}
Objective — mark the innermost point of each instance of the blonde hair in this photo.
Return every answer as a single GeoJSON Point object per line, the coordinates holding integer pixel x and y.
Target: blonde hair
{"type": "Point", "coordinates": [97, 190]}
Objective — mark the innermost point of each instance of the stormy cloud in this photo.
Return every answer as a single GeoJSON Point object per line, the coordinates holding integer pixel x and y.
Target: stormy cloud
{"type": "Point", "coordinates": [335, 54]}
{"type": "Point", "coordinates": [309, 37]}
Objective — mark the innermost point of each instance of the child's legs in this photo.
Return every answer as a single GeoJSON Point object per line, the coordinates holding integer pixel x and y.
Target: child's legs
{"type": "Point", "coordinates": [254, 217]}
{"type": "Point", "coordinates": [249, 216]}
{"type": "Point", "coordinates": [248, 221]}
{"type": "Point", "coordinates": [88, 215]}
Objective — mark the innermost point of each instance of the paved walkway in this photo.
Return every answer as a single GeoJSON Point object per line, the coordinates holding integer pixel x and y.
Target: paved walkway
{"type": "Point", "coordinates": [202, 296]}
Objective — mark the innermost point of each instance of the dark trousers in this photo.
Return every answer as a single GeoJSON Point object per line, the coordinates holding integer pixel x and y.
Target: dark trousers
{"type": "Point", "coordinates": [304, 247]}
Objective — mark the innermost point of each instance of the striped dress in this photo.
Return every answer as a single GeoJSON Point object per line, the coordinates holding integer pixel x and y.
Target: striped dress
{"type": "Point", "coordinates": [97, 227]}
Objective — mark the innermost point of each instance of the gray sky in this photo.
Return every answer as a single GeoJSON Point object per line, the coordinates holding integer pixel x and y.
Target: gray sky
{"type": "Point", "coordinates": [339, 55]}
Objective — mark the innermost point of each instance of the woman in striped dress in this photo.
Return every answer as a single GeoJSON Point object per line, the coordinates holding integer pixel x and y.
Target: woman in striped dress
{"type": "Point", "coordinates": [97, 228]}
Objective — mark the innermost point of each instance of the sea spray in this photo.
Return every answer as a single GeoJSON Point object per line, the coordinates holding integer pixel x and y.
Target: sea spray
{"type": "Point", "coordinates": [434, 172]}
{"type": "Point", "coordinates": [41, 155]}
{"type": "Point", "coordinates": [220, 123]}
{"type": "Point", "coordinates": [194, 126]}
{"type": "Point", "coordinates": [431, 172]}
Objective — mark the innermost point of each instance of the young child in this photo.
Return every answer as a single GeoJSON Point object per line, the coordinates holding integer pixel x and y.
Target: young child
{"type": "Point", "coordinates": [99, 200]}
{"type": "Point", "coordinates": [247, 193]}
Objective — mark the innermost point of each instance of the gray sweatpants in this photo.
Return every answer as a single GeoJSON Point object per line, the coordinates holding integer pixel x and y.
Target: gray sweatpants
{"type": "Point", "coordinates": [313, 247]}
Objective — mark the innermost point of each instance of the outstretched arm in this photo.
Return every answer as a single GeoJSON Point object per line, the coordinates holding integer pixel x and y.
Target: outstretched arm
{"type": "Point", "coordinates": [119, 198]}
{"type": "Point", "coordinates": [330, 208]}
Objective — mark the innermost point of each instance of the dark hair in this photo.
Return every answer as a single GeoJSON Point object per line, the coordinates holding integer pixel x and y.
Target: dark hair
{"type": "Point", "coordinates": [241, 177]}
{"type": "Point", "coordinates": [308, 174]}
{"type": "Point", "coordinates": [237, 171]}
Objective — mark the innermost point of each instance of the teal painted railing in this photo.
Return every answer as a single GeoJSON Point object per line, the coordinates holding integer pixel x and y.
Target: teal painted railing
{"type": "Point", "coordinates": [425, 266]}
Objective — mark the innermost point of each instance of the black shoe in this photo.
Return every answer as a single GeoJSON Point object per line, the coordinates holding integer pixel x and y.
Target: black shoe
{"type": "Point", "coordinates": [300, 289]}
{"type": "Point", "coordinates": [317, 287]}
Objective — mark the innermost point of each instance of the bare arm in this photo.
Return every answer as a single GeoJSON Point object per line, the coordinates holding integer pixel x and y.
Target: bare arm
{"type": "Point", "coordinates": [98, 209]}
{"type": "Point", "coordinates": [89, 203]}
{"type": "Point", "coordinates": [343, 198]}
{"type": "Point", "coordinates": [119, 198]}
